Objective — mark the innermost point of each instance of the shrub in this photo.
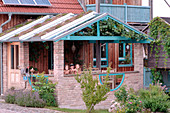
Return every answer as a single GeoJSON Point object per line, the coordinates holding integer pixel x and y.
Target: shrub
{"type": "Point", "coordinates": [45, 89]}
{"type": "Point", "coordinates": [10, 97]}
{"type": "Point", "coordinates": [29, 99]}
{"type": "Point", "coordinates": [121, 95]}
{"type": "Point", "coordinates": [155, 98]}
{"type": "Point", "coordinates": [126, 101]}
{"type": "Point", "coordinates": [93, 92]}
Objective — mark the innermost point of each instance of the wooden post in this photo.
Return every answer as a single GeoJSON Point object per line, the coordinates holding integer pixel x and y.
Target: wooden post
{"type": "Point", "coordinates": [151, 9]}
{"type": "Point", "coordinates": [98, 54]}
{"type": "Point", "coordinates": [98, 6]}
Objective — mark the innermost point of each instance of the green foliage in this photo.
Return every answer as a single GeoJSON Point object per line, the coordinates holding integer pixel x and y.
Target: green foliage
{"type": "Point", "coordinates": [29, 99]}
{"type": "Point", "coordinates": [121, 94]}
{"type": "Point", "coordinates": [10, 99]}
{"type": "Point", "coordinates": [128, 101]}
{"type": "Point", "coordinates": [155, 98]}
{"type": "Point", "coordinates": [109, 27]}
{"type": "Point", "coordinates": [37, 26]}
{"type": "Point", "coordinates": [18, 26]}
{"type": "Point", "coordinates": [93, 92]}
{"type": "Point", "coordinates": [156, 76]}
{"type": "Point", "coordinates": [45, 89]}
{"type": "Point", "coordinates": [160, 31]}
{"type": "Point", "coordinates": [26, 99]}
{"type": "Point", "coordinates": [76, 110]}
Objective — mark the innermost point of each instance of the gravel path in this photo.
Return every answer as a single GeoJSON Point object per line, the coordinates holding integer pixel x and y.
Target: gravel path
{"type": "Point", "coordinates": [13, 108]}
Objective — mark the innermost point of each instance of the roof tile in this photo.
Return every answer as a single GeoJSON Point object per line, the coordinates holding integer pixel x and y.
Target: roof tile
{"type": "Point", "coordinates": [58, 6]}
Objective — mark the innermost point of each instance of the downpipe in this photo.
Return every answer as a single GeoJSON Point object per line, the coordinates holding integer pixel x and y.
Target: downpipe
{"type": "Point", "coordinates": [9, 19]}
{"type": "Point", "coordinates": [1, 45]}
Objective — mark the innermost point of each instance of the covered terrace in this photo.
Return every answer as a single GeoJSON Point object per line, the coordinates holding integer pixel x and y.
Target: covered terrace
{"type": "Point", "coordinates": [55, 44]}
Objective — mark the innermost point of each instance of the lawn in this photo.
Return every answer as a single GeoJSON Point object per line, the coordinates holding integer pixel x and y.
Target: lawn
{"type": "Point", "coordinates": [75, 110]}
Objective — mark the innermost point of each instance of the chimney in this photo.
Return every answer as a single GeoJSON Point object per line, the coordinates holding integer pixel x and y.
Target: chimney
{"type": "Point", "coordinates": [98, 6]}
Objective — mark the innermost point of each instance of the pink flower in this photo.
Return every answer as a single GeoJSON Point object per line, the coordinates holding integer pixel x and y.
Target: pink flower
{"type": "Point", "coordinates": [140, 101]}
{"type": "Point", "coordinates": [130, 102]}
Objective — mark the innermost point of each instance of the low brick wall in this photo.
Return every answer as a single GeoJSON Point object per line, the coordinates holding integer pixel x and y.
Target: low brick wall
{"type": "Point", "coordinates": [69, 91]}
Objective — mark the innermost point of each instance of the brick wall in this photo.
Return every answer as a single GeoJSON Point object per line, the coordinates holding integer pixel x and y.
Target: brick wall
{"type": "Point", "coordinates": [5, 68]}
{"type": "Point", "coordinates": [69, 91]}
{"type": "Point", "coordinates": [24, 62]}
{"type": "Point", "coordinates": [0, 65]}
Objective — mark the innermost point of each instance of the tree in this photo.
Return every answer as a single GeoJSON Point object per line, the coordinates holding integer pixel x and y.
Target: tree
{"type": "Point", "coordinates": [93, 92]}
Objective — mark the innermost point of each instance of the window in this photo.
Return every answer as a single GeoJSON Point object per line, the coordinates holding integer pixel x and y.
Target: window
{"type": "Point", "coordinates": [104, 55]}
{"type": "Point", "coordinates": [14, 56]}
{"type": "Point", "coordinates": [50, 56]}
{"type": "Point", "coordinates": [106, 1]}
{"type": "Point", "coordinates": [115, 80]}
{"type": "Point", "coordinates": [125, 55]}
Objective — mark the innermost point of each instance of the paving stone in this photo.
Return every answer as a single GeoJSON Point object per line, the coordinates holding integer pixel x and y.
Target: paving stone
{"type": "Point", "coordinates": [13, 108]}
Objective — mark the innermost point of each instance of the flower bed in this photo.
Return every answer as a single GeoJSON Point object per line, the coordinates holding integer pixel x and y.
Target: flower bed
{"type": "Point", "coordinates": [149, 100]}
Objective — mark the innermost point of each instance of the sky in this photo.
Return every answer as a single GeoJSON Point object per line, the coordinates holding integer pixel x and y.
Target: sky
{"type": "Point", "coordinates": [160, 8]}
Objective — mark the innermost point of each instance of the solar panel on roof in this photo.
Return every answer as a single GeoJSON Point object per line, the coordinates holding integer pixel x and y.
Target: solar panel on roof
{"type": "Point", "coordinates": [11, 2]}
{"type": "Point", "coordinates": [25, 2]}
{"type": "Point", "coordinates": [28, 2]}
{"type": "Point", "coordinates": [43, 2]}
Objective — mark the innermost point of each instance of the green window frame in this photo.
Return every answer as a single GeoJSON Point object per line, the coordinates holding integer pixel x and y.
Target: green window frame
{"type": "Point", "coordinates": [103, 59]}
{"type": "Point", "coordinates": [123, 58]}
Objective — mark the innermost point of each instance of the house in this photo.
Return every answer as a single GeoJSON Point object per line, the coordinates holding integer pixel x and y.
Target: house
{"type": "Point", "coordinates": [54, 44]}
{"type": "Point", "coordinates": [13, 13]}
{"type": "Point", "coordinates": [163, 64]}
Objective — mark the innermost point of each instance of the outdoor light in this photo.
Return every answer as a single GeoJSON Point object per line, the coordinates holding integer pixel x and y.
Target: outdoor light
{"type": "Point", "coordinates": [73, 48]}
{"type": "Point", "coordinates": [127, 47]}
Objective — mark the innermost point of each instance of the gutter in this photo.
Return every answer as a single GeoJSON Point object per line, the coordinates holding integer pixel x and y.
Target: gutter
{"type": "Point", "coordinates": [22, 13]}
{"type": "Point", "coordinates": [1, 45]}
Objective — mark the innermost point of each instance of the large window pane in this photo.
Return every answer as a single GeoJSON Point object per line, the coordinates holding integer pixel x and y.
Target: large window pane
{"type": "Point", "coordinates": [12, 56]}
{"type": "Point", "coordinates": [50, 56]}
{"type": "Point", "coordinates": [104, 59]}
{"type": "Point", "coordinates": [121, 50]}
{"type": "Point", "coordinates": [17, 56]}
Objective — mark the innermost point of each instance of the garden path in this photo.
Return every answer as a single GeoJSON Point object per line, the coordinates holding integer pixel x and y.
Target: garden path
{"type": "Point", "coordinates": [13, 108]}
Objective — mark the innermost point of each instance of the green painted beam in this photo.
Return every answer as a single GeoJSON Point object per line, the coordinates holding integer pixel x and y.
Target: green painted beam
{"type": "Point", "coordinates": [95, 38]}
{"type": "Point", "coordinates": [117, 41]}
{"type": "Point", "coordinates": [105, 39]}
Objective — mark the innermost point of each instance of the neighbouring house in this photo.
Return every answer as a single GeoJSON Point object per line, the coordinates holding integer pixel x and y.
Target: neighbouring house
{"type": "Point", "coordinates": [55, 44]}
{"type": "Point", "coordinates": [151, 60]}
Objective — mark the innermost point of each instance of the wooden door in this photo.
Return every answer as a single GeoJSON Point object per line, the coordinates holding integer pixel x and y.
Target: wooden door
{"type": "Point", "coordinates": [13, 65]}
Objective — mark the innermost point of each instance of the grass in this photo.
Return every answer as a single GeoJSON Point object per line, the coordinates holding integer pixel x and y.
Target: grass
{"type": "Point", "coordinates": [75, 110]}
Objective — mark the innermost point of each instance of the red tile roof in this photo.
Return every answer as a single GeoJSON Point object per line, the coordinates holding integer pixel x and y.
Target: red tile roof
{"type": "Point", "coordinates": [58, 6]}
